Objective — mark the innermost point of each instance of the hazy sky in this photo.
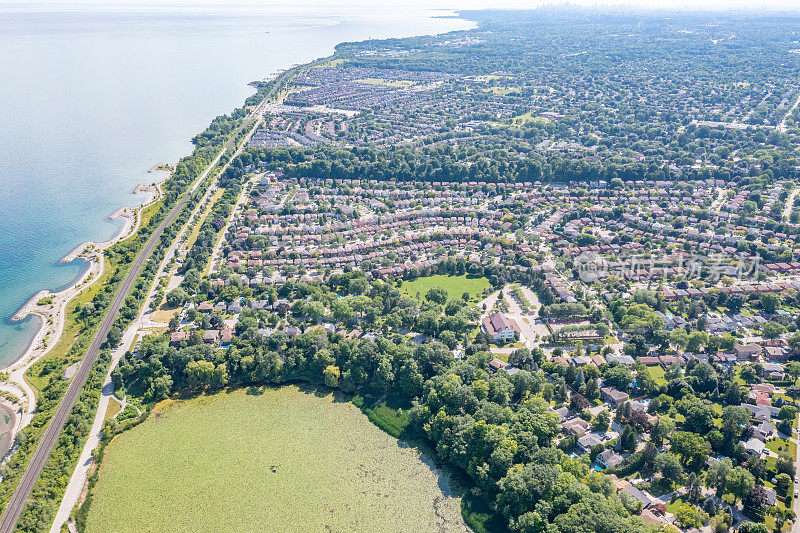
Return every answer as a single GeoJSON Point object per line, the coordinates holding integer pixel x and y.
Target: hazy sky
{"type": "Point", "coordinates": [793, 5]}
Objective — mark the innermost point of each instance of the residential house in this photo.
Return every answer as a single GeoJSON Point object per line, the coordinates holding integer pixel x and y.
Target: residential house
{"type": "Point", "coordinates": [497, 364]}
{"type": "Point", "coordinates": [761, 412]}
{"type": "Point", "coordinates": [178, 336]}
{"type": "Point", "coordinates": [576, 426]}
{"type": "Point", "coordinates": [639, 495]}
{"type": "Point", "coordinates": [211, 336]}
{"type": "Point", "coordinates": [589, 441]}
{"type": "Point", "coordinates": [609, 459]}
{"type": "Point", "coordinates": [613, 396]}
{"type": "Point", "coordinates": [745, 352]}
{"type": "Point", "coordinates": [754, 446]}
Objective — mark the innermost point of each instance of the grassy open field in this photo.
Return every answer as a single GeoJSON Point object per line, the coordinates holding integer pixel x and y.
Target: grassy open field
{"type": "Point", "coordinates": [113, 408]}
{"type": "Point", "coordinates": [454, 285]}
{"type": "Point", "coordinates": [280, 459]}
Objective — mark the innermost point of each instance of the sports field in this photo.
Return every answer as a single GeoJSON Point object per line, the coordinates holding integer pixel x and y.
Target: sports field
{"type": "Point", "coordinates": [279, 460]}
{"type": "Point", "coordinates": [455, 285]}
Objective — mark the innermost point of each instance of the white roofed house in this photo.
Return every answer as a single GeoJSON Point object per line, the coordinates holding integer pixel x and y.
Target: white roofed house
{"type": "Point", "coordinates": [500, 327]}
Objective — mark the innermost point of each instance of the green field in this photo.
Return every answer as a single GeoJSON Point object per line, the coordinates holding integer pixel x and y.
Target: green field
{"type": "Point", "coordinates": [277, 460]}
{"type": "Point", "coordinates": [455, 285]}
{"type": "Point", "coordinates": [657, 373]}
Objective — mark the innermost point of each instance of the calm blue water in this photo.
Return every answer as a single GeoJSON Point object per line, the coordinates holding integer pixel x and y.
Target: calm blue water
{"type": "Point", "coordinates": [93, 97]}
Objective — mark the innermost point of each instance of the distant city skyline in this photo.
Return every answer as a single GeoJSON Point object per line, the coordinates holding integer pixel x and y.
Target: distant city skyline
{"type": "Point", "coordinates": [723, 5]}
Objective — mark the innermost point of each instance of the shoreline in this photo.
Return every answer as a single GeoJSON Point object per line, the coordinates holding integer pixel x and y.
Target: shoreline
{"type": "Point", "coordinates": [51, 314]}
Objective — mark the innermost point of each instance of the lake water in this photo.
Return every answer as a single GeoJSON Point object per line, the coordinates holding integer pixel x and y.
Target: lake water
{"type": "Point", "coordinates": [93, 97]}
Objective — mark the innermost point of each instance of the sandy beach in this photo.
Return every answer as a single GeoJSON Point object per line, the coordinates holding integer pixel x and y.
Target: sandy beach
{"type": "Point", "coordinates": [50, 308]}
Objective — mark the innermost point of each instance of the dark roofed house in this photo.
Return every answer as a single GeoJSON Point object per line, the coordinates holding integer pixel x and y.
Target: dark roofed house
{"type": "Point", "coordinates": [639, 495]}
{"type": "Point", "coordinates": [589, 441]}
{"type": "Point", "coordinates": [178, 336]}
{"type": "Point", "coordinates": [563, 413]}
{"type": "Point", "coordinates": [497, 364]}
{"type": "Point", "coordinates": [613, 396]}
{"type": "Point", "coordinates": [260, 304]}
{"type": "Point", "coordinates": [292, 331]}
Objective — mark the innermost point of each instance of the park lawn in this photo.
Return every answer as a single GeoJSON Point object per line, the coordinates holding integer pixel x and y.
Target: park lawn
{"type": "Point", "coordinates": [163, 315]}
{"type": "Point", "coordinates": [277, 459]}
{"type": "Point", "coordinates": [454, 285]}
{"type": "Point", "coordinates": [331, 63]}
{"type": "Point", "coordinates": [528, 117]}
{"type": "Point", "coordinates": [148, 212]}
{"type": "Point", "coordinates": [501, 91]}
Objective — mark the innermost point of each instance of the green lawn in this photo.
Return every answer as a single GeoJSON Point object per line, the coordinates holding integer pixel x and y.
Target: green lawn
{"type": "Point", "coordinates": [113, 408]}
{"type": "Point", "coordinates": [276, 459]}
{"type": "Point", "coordinates": [784, 445]}
{"type": "Point", "coordinates": [454, 285]}
{"type": "Point", "coordinates": [672, 507]}
{"type": "Point", "coordinates": [657, 373]}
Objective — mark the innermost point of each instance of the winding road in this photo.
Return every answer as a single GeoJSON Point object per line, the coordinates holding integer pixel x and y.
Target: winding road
{"type": "Point", "coordinates": [15, 506]}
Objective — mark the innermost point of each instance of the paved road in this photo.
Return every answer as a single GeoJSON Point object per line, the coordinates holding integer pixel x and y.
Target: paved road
{"type": "Point", "coordinates": [15, 506]}
{"type": "Point", "coordinates": [787, 210]}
